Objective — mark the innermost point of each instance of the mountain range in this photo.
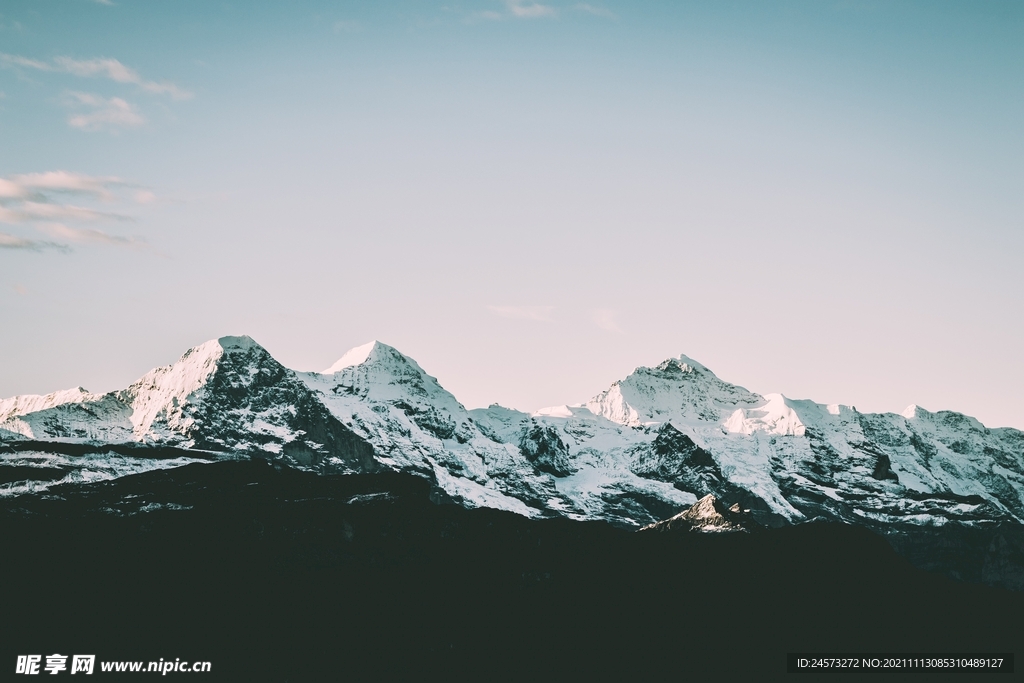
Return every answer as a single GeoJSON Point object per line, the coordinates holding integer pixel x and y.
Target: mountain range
{"type": "Point", "coordinates": [643, 450]}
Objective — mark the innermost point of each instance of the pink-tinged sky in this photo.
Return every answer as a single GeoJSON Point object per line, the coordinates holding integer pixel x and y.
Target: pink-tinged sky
{"type": "Point", "coordinates": [820, 199]}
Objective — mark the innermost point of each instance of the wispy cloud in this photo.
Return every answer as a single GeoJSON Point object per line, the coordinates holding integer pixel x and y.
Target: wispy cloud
{"type": "Point", "coordinates": [532, 10]}
{"type": "Point", "coordinates": [16, 60]}
{"type": "Point", "coordinates": [8, 241]}
{"type": "Point", "coordinates": [25, 184]}
{"type": "Point", "coordinates": [605, 319]}
{"type": "Point", "coordinates": [104, 67]}
{"type": "Point", "coordinates": [32, 211]}
{"type": "Point", "coordinates": [539, 313]}
{"type": "Point", "coordinates": [86, 235]}
{"type": "Point", "coordinates": [103, 113]}
{"type": "Point", "coordinates": [596, 11]}
{"type": "Point", "coordinates": [38, 200]}
{"type": "Point", "coordinates": [517, 9]}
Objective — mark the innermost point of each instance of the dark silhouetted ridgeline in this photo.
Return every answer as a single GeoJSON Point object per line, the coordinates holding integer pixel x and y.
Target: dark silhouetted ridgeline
{"type": "Point", "coordinates": [278, 575]}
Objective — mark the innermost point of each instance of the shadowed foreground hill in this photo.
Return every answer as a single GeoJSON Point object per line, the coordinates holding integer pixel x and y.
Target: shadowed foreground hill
{"type": "Point", "coordinates": [274, 574]}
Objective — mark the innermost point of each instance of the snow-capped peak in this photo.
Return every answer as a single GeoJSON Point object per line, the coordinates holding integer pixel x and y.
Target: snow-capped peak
{"type": "Point", "coordinates": [242, 343]}
{"type": "Point", "coordinates": [160, 395]}
{"type": "Point", "coordinates": [383, 373]}
{"type": "Point", "coordinates": [373, 353]}
{"type": "Point", "coordinates": [911, 411]}
{"type": "Point", "coordinates": [354, 356]}
{"type": "Point", "coordinates": [687, 363]}
{"type": "Point", "coordinates": [679, 389]}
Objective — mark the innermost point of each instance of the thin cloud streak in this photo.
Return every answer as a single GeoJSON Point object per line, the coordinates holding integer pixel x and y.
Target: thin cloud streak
{"type": "Point", "coordinates": [596, 11]}
{"type": "Point", "coordinates": [47, 211]}
{"type": "Point", "coordinates": [103, 67]}
{"type": "Point", "coordinates": [8, 241]}
{"type": "Point", "coordinates": [88, 235]}
{"type": "Point", "coordinates": [532, 10]}
{"type": "Point", "coordinates": [32, 199]}
{"type": "Point", "coordinates": [17, 186]}
{"type": "Point", "coordinates": [17, 60]}
{"type": "Point", "coordinates": [113, 112]}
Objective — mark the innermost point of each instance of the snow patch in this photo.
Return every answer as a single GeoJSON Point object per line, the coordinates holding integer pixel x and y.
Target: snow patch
{"type": "Point", "coordinates": [31, 403]}
{"type": "Point", "coordinates": [776, 416]}
{"type": "Point", "coordinates": [911, 411]}
{"type": "Point", "coordinates": [479, 495]}
{"type": "Point", "coordinates": [355, 356]}
{"type": "Point", "coordinates": [554, 411]}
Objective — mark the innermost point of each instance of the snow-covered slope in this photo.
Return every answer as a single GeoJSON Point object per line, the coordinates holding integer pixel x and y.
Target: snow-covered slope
{"type": "Point", "coordinates": [414, 424]}
{"type": "Point", "coordinates": [649, 446]}
{"type": "Point", "coordinates": [679, 390]}
{"type": "Point", "coordinates": [227, 395]}
{"type": "Point", "coordinates": [805, 459]}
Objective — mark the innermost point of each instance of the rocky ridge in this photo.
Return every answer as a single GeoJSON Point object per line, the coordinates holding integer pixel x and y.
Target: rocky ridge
{"type": "Point", "coordinates": [650, 445]}
{"type": "Point", "coordinates": [707, 515]}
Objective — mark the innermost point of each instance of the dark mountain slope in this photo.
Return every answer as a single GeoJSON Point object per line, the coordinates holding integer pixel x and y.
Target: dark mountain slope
{"type": "Point", "coordinates": [279, 575]}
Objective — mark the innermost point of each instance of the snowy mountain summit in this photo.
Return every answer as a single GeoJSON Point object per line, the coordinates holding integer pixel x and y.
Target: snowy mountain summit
{"type": "Point", "coordinates": [654, 443]}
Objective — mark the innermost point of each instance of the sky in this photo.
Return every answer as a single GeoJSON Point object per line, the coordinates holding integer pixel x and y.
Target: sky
{"type": "Point", "coordinates": [822, 199]}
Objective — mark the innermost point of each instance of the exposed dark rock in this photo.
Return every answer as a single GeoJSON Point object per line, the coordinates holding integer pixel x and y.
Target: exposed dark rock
{"type": "Point", "coordinates": [14, 473]}
{"type": "Point", "coordinates": [883, 469]}
{"type": "Point", "coordinates": [675, 458]}
{"type": "Point", "coordinates": [249, 381]}
{"type": "Point", "coordinates": [543, 447]}
{"type": "Point", "coordinates": [278, 575]}
{"type": "Point", "coordinates": [429, 419]}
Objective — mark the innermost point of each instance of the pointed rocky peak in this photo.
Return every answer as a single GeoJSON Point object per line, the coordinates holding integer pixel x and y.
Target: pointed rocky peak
{"type": "Point", "coordinates": [375, 354]}
{"type": "Point", "coordinates": [670, 440]}
{"type": "Point", "coordinates": [679, 367]}
{"type": "Point", "coordinates": [914, 411]}
{"type": "Point", "coordinates": [678, 389]}
{"type": "Point", "coordinates": [682, 370]}
{"type": "Point", "coordinates": [707, 508]}
{"type": "Point", "coordinates": [231, 363]}
{"type": "Point", "coordinates": [243, 343]}
{"type": "Point", "coordinates": [379, 372]}
{"type": "Point", "coordinates": [214, 349]}
{"type": "Point", "coordinates": [193, 365]}
{"type": "Point", "coordinates": [354, 356]}
{"type": "Point", "coordinates": [706, 515]}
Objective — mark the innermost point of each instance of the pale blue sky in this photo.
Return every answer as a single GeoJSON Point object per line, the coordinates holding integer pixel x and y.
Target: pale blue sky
{"type": "Point", "coordinates": [823, 199]}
